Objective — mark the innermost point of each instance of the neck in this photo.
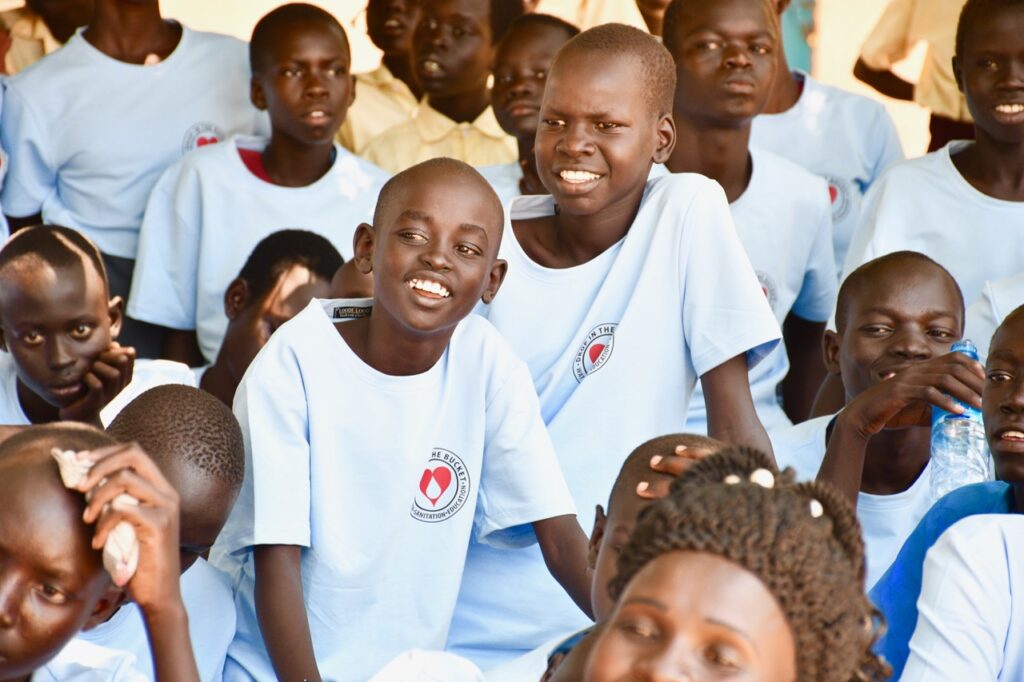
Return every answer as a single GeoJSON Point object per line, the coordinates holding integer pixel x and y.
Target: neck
{"type": "Point", "coordinates": [400, 67]}
{"type": "Point", "coordinates": [381, 343]}
{"type": "Point", "coordinates": [35, 408]}
{"type": "Point", "coordinates": [993, 167]}
{"type": "Point", "coordinates": [655, 22]}
{"type": "Point", "coordinates": [581, 238]}
{"type": "Point", "coordinates": [895, 459]}
{"type": "Point", "coordinates": [464, 107]}
{"type": "Point", "coordinates": [293, 164]}
{"type": "Point", "coordinates": [719, 153]}
{"type": "Point", "coordinates": [1018, 498]}
{"type": "Point", "coordinates": [217, 381]}
{"type": "Point", "coordinates": [787, 88]}
{"type": "Point", "coordinates": [131, 32]}
{"type": "Point", "coordinates": [530, 183]}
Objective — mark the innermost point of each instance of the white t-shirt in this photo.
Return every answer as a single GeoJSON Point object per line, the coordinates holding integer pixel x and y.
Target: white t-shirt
{"type": "Point", "coordinates": [209, 211]}
{"type": "Point", "coordinates": [528, 667]}
{"type": "Point", "coordinates": [886, 520]}
{"type": "Point", "coordinates": [970, 623]}
{"type": "Point", "coordinates": [784, 221]}
{"type": "Point", "coordinates": [430, 666]}
{"type": "Point", "coordinates": [382, 480]}
{"type": "Point", "coordinates": [925, 205]}
{"type": "Point", "coordinates": [847, 139]}
{"type": "Point", "coordinates": [211, 624]}
{"type": "Point", "coordinates": [998, 299]}
{"type": "Point", "coordinates": [81, 661]}
{"type": "Point", "coordinates": [615, 347]}
{"type": "Point", "coordinates": [505, 179]}
{"type": "Point", "coordinates": [89, 135]}
{"type": "Point", "coordinates": [147, 374]}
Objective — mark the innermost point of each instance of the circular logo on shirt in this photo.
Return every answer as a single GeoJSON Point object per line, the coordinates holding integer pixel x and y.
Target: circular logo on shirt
{"type": "Point", "coordinates": [840, 193]}
{"type": "Point", "coordinates": [768, 288]}
{"type": "Point", "coordinates": [443, 488]}
{"type": "Point", "coordinates": [595, 351]}
{"type": "Point", "coordinates": [200, 135]}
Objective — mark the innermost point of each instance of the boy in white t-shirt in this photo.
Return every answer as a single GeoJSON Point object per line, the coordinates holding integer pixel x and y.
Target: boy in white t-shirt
{"type": "Point", "coordinates": [91, 127]}
{"type": "Point", "coordinates": [847, 139]}
{"type": "Point", "coordinates": [897, 317]}
{"type": "Point", "coordinates": [282, 274]}
{"type": "Point", "coordinates": [964, 204]}
{"type": "Point", "coordinates": [621, 293]}
{"type": "Point", "coordinates": [209, 210]}
{"type": "Point", "coordinates": [58, 331]}
{"type": "Point", "coordinates": [998, 299]}
{"type": "Point", "coordinates": [407, 409]}
{"type": "Point", "coordinates": [195, 441]}
{"type": "Point", "coordinates": [725, 67]}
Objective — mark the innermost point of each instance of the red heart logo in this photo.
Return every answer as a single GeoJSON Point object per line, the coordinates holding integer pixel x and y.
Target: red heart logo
{"type": "Point", "coordinates": [203, 141]}
{"type": "Point", "coordinates": [595, 351]}
{"type": "Point", "coordinates": [833, 193]}
{"type": "Point", "coordinates": [434, 483]}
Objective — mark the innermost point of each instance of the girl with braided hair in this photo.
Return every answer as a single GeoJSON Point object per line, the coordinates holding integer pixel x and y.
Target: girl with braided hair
{"type": "Point", "coordinates": [740, 573]}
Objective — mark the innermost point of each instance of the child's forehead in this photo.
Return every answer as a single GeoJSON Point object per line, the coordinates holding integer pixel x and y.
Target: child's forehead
{"type": "Point", "coordinates": [470, 9]}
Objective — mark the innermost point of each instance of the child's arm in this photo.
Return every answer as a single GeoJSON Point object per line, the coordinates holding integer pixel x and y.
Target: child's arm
{"type": "Point", "coordinates": [731, 415]}
{"type": "Point", "coordinates": [281, 612]}
{"type": "Point", "coordinates": [111, 371]}
{"type": "Point", "coordinates": [903, 401]}
{"type": "Point", "coordinates": [806, 368]}
{"type": "Point", "coordinates": [155, 587]}
{"type": "Point", "coordinates": [182, 345]}
{"type": "Point", "coordinates": [564, 546]}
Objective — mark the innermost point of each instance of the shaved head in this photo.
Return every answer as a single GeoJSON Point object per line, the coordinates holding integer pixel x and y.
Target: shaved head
{"type": "Point", "coordinates": [50, 245]}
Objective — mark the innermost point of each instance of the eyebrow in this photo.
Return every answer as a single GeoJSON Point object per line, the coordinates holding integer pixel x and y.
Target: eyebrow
{"type": "Point", "coordinates": [645, 600]}
{"type": "Point", "coordinates": [897, 313]}
{"type": "Point", "coordinates": [472, 227]}
{"type": "Point", "coordinates": [733, 629]}
{"type": "Point", "coordinates": [413, 214]}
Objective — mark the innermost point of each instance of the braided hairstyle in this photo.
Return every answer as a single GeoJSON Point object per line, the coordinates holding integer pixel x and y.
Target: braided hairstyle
{"type": "Point", "coordinates": [801, 540]}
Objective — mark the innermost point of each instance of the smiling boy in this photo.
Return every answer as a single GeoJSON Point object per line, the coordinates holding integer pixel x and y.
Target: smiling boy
{"type": "Point", "coordinates": [208, 211]}
{"type": "Point", "coordinates": [453, 53]}
{"type": "Point", "coordinates": [621, 293]}
{"type": "Point", "coordinates": [409, 407]}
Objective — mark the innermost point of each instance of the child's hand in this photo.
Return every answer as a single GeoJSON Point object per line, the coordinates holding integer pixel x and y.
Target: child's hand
{"type": "Point", "coordinates": [129, 470]}
{"type": "Point", "coordinates": [672, 464]}
{"type": "Point", "coordinates": [111, 371]}
{"type": "Point", "coordinates": [906, 399]}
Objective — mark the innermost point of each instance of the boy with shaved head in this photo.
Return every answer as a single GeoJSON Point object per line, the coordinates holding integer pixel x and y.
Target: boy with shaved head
{"type": "Point", "coordinates": [412, 393]}
{"type": "Point", "coordinates": [645, 287]}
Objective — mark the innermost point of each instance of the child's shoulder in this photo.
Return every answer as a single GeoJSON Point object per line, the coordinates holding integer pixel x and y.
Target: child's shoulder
{"type": "Point", "coordinates": [822, 95]}
{"type": "Point", "coordinates": [359, 173]}
{"type": "Point", "coordinates": [82, 661]}
{"type": "Point", "coordinates": [920, 172]}
{"type": "Point", "coordinates": [53, 73]}
{"type": "Point", "coordinates": [786, 180]}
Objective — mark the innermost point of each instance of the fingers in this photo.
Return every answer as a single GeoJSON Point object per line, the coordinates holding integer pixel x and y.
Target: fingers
{"type": "Point", "coordinates": [124, 482]}
{"type": "Point", "coordinates": [654, 490]}
{"type": "Point", "coordinates": [674, 464]}
{"type": "Point", "coordinates": [112, 459]}
{"type": "Point", "coordinates": [150, 524]}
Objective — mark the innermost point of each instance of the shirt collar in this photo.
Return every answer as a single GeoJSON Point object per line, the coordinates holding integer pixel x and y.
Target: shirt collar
{"type": "Point", "coordinates": [434, 126]}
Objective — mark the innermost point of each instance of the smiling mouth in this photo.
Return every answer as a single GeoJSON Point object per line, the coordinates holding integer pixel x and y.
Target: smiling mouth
{"type": "Point", "coordinates": [578, 177]}
{"type": "Point", "coordinates": [428, 288]}
{"type": "Point", "coordinates": [66, 391]}
{"type": "Point", "coordinates": [317, 116]}
{"type": "Point", "coordinates": [1012, 436]}
{"type": "Point", "coordinates": [393, 26]}
{"type": "Point", "coordinates": [1010, 108]}
{"type": "Point", "coordinates": [431, 67]}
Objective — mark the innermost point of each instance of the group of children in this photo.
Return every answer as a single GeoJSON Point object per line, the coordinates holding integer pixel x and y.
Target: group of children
{"type": "Point", "coordinates": [371, 353]}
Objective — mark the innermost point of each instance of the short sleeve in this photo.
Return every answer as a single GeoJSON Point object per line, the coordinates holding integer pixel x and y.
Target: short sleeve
{"type": "Point", "coordinates": [166, 271]}
{"type": "Point", "coordinates": [964, 608]}
{"type": "Point", "coordinates": [982, 320]}
{"type": "Point", "coordinates": [885, 140]}
{"type": "Point", "coordinates": [33, 173]}
{"type": "Point", "coordinates": [890, 40]}
{"type": "Point", "coordinates": [725, 313]}
{"type": "Point", "coordinates": [521, 480]}
{"type": "Point", "coordinates": [273, 507]}
{"type": "Point", "coordinates": [818, 290]}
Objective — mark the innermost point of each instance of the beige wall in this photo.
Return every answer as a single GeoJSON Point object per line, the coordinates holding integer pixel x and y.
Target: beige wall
{"type": "Point", "coordinates": [842, 26]}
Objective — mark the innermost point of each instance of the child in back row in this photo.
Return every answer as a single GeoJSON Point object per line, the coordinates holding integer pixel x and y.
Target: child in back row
{"type": "Point", "coordinates": [617, 288]}
{"type": "Point", "coordinates": [459, 448]}
{"type": "Point", "coordinates": [725, 67]}
{"type": "Point", "coordinates": [452, 56]}
{"type": "Point", "coordinates": [199, 228]}
{"type": "Point", "coordinates": [58, 329]}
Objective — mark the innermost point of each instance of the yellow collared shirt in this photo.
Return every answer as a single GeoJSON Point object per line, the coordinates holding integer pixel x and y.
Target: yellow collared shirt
{"type": "Point", "coordinates": [589, 13]}
{"type": "Point", "coordinates": [31, 40]}
{"type": "Point", "coordinates": [430, 134]}
{"type": "Point", "coordinates": [382, 102]}
{"type": "Point", "coordinates": [903, 25]}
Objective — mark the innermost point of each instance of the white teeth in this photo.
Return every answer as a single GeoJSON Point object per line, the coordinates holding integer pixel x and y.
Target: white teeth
{"type": "Point", "coordinates": [392, 23]}
{"type": "Point", "coordinates": [317, 114]}
{"type": "Point", "coordinates": [1012, 435]}
{"type": "Point", "coordinates": [889, 375]}
{"type": "Point", "coordinates": [430, 287]}
{"type": "Point", "coordinates": [578, 176]}
{"type": "Point", "coordinates": [1010, 108]}
{"type": "Point", "coordinates": [430, 66]}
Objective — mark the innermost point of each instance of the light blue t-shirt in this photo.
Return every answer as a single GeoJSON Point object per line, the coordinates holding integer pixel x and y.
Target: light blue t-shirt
{"type": "Point", "coordinates": [897, 591]}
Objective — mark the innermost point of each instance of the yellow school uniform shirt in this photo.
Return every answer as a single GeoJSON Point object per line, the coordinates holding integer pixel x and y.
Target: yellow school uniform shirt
{"type": "Point", "coordinates": [430, 134]}
{"type": "Point", "coordinates": [30, 39]}
{"type": "Point", "coordinates": [589, 13]}
{"type": "Point", "coordinates": [382, 102]}
{"type": "Point", "coordinates": [903, 25]}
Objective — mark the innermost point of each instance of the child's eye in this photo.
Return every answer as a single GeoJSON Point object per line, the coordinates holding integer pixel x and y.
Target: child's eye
{"type": "Point", "coordinates": [941, 334]}
{"type": "Point", "coordinates": [430, 23]}
{"type": "Point", "coordinates": [987, 63]}
{"type": "Point", "coordinates": [290, 72]}
{"type": "Point", "coordinates": [415, 237]}
{"type": "Point", "coordinates": [541, 75]}
{"type": "Point", "coordinates": [81, 331]}
{"type": "Point", "coordinates": [458, 32]}
{"type": "Point", "coordinates": [762, 49]}
{"type": "Point", "coordinates": [604, 125]}
{"type": "Point", "coordinates": [52, 594]}
{"type": "Point", "coordinates": [639, 628]}
{"type": "Point", "coordinates": [998, 376]}
{"type": "Point", "coordinates": [876, 329]}
{"type": "Point", "coordinates": [31, 337]}
{"type": "Point", "coordinates": [554, 123]}
{"type": "Point", "coordinates": [503, 79]}
{"type": "Point", "coordinates": [709, 45]}
{"type": "Point", "coordinates": [467, 250]}
{"type": "Point", "coordinates": [722, 657]}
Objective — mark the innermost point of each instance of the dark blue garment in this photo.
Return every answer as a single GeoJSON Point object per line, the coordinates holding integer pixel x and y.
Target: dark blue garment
{"type": "Point", "coordinates": [895, 594]}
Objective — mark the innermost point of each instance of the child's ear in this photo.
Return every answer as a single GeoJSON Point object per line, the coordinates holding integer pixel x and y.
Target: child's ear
{"type": "Point", "coordinates": [363, 243]}
{"type": "Point", "coordinates": [666, 139]}
{"type": "Point", "coordinates": [958, 73]}
{"type": "Point", "coordinates": [596, 536]}
{"type": "Point", "coordinates": [352, 90]}
{"type": "Point", "coordinates": [497, 276]}
{"type": "Point", "coordinates": [256, 94]}
{"type": "Point", "coordinates": [115, 309]}
{"type": "Point", "coordinates": [236, 298]}
{"type": "Point", "coordinates": [830, 344]}
{"type": "Point", "coordinates": [113, 599]}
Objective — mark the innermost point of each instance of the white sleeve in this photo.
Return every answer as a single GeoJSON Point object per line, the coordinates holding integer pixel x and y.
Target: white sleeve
{"type": "Point", "coordinates": [521, 480]}
{"type": "Point", "coordinates": [725, 313]}
{"type": "Point", "coordinates": [273, 507]}
{"type": "Point", "coordinates": [982, 320]}
{"type": "Point", "coordinates": [885, 139]}
{"type": "Point", "coordinates": [964, 607]}
{"type": "Point", "coordinates": [166, 267]}
{"type": "Point", "coordinates": [33, 173]}
{"type": "Point", "coordinates": [817, 295]}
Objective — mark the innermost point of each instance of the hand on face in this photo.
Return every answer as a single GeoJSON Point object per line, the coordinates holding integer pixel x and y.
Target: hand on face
{"type": "Point", "coordinates": [126, 469]}
{"type": "Point", "coordinates": [109, 374]}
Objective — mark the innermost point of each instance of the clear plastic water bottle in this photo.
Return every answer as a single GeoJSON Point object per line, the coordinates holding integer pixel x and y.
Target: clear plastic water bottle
{"type": "Point", "coordinates": [959, 451]}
